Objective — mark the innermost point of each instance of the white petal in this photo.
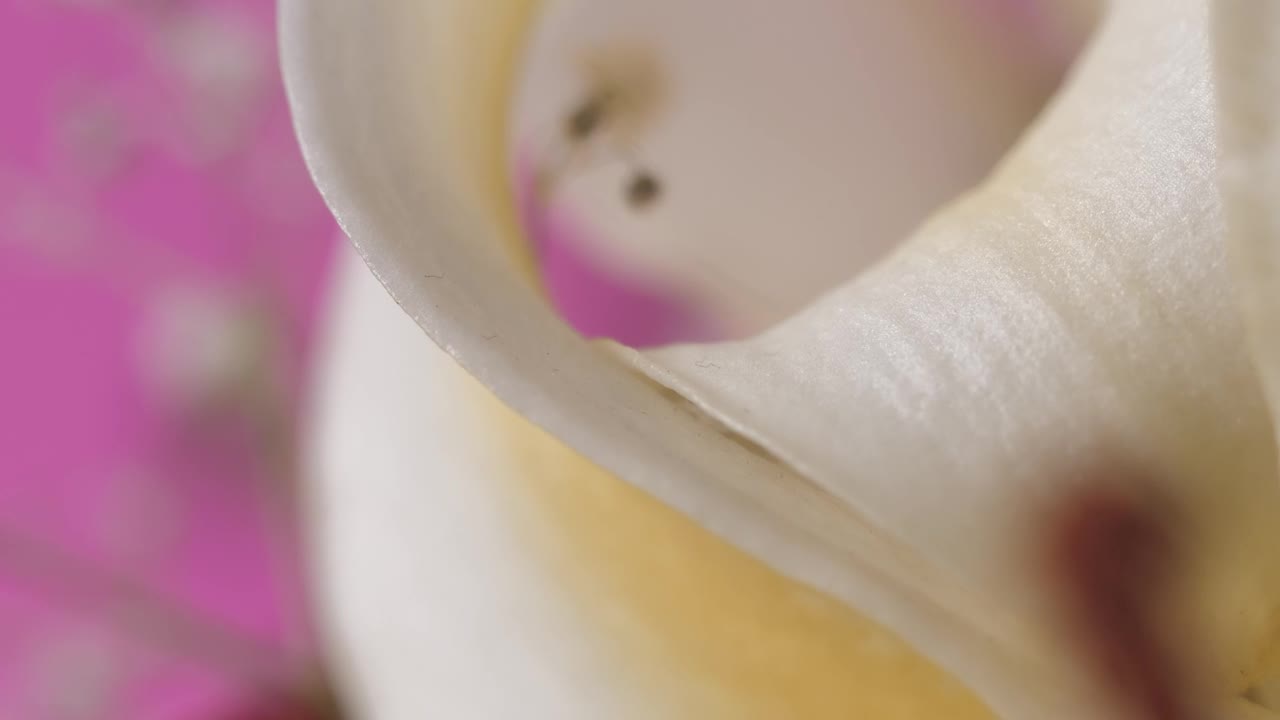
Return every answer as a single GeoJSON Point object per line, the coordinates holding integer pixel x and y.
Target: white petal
{"type": "Point", "coordinates": [472, 567]}
{"type": "Point", "coordinates": [430, 597]}
{"type": "Point", "coordinates": [1247, 55]}
{"type": "Point", "coordinates": [1078, 302]}
{"type": "Point", "coordinates": [1076, 305]}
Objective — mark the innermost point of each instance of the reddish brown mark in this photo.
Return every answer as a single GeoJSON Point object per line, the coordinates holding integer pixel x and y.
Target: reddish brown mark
{"type": "Point", "coordinates": [1113, 557]}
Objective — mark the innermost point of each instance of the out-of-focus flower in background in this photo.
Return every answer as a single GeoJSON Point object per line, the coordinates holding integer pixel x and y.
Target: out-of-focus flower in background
{"type": "Point", "coordinates": [162, 252]}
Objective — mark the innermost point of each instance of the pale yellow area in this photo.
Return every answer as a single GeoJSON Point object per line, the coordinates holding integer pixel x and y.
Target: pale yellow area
{"type": "Point", "coordinates": [702, 628]}
{"type": "Point", "coordinates": [475, 47]}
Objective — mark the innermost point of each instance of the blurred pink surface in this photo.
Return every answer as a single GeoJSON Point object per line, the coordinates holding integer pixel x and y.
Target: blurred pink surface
{"type": "Point", "coordinates": [161, 256]}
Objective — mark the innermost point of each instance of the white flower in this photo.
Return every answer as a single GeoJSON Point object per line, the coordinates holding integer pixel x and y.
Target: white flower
{"type": "Point", "coordinates": [917, 442]}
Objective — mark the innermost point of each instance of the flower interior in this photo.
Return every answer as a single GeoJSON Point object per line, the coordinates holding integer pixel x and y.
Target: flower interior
{"type": "Point", "coordinates": [699, 171]}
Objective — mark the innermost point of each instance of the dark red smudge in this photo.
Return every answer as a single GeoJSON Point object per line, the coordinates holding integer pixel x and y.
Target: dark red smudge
{"type": "Point", "coordinates": [311, 701]}
{"type": "Point", "coordinates": [1113, 555]}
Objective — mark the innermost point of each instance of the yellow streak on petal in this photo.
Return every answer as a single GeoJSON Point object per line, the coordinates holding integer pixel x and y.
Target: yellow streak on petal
{"type": "Point", "coordinates": [701, 627]}
{"type": "Point", "coordinates": [477, 46]}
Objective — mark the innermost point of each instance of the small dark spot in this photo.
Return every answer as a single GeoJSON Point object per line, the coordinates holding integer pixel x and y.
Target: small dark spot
{"type": "Point", "coordinates": [587, 119]}
{"type": "Point", "coordinates": [643, 190]}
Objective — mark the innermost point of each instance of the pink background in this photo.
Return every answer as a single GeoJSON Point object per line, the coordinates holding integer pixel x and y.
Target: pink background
{"type": "Point", "coordinates": [161, 256]}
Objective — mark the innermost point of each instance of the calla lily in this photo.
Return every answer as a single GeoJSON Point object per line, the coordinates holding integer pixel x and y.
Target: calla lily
{"type": "Point", "coordinates": [932, 444]}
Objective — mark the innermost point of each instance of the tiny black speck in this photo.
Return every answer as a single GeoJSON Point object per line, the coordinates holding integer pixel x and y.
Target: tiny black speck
{"type": "Point", "coordinates": [584, 121]}
{"type": "Point", "coordinates": [643, 190]}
